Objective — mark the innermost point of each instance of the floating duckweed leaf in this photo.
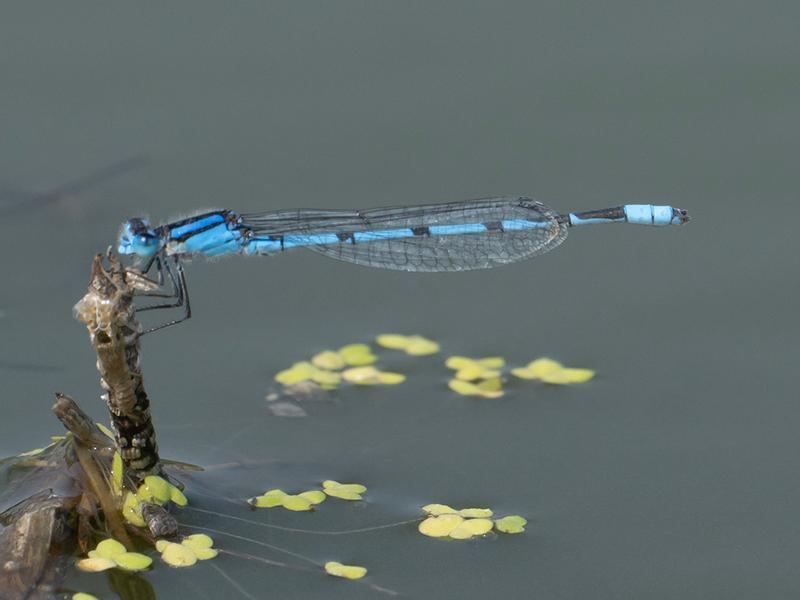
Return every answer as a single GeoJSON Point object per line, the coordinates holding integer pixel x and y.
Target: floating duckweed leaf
{"type": "Point", "coordinates": [313, 496]}
{"type": "Point", "coordinates": [105, 430]}
{"type": "Point", "coordinates": [420, 346]}
{"type": "Point", "coordinates": [330, 360]}
{"type": "Point", "coordinates": [111, 550]}
{"type": "Point", "coordinates": [511, 524]}
{"type": "Point", "coordinates": [178, 555]}
{"type": "Point", "coordinates": [389, 378]}
{"type": "Point", "coordinates": [347, 571]}
{"type": "Point", "coordinates": [326, 378]}
{"type": "Point", "coordinates": [551, 371]}
{"type": "Point", "coordinates": [116, 474]}
{"type": "Point", "coordinates": [302, 501]}
{"type": "Point", "coordinates": [96, 564]}
{"type": "Point", "coordinates": [301, 371]}
{"type": "Point", "coordinates": [357, 355]}
{"type": "Point", "coordinates": [154, 489]}
{"type": "Point", "coordinates": [344, 491]}
{"type": "Point", "coordinates": [200, 544]}
{"type": "Point", "coordinates": [393, 341]}
{"type": "Point", "coordinates": [446, 521]}
{"type": "Point", "coordinates": [297, 503]}
{"type": "Point", "coordinates": [177, 496]}
{"type": "Point", "coordinates": [465, 388]}
{"type": "Point", "coordinates": [474, 372]}
{"type": "Point", "coordinates": [290, 377]}
{"type": "Point", "coordinates": [268, 499]}
{"type": "Point", "coordinates": [108, 548]}
{"type": "Point", "coordinates": [133, 561]}
{"type": "Point", "coordinates": [440, 526]}
{"type": "Point", "coordinates": [439, 509]}
{"type": "Point", "coordinates": [471, 528]}
{"type": "Point", "coordinates": [542, 366]}
{"type": "Point", "coordinates": [132, 510]}
{"type": "Point", "coordinates": [83, 596]}
{"type": "Point", "coordinates": [361, 375]}
{"type": "Point", "coordinates": [415, 345]}
{"type": "Point", "coordinates": [492, 362]}
{"type": "Point", "coordinates": [205, 553]}
{"type": "Point", "coordinates": [475, 513]}
{"type": "Point", "coordinates": [565, 376]}
{"type": "Point", "coordinates": [491, 385]}
{"type": "Point", "coordinates": [191, 549]}
{"type": "Point", "coordinates": [197, 541]}
{"type": "Point", "coordinates": [523, 373]}
{"type": "Point", "coordinates": [371, 376]}
{"type": "Point", "coordinates": [458, 362]}
{"type": "Point", "coordinates": [470, 369]}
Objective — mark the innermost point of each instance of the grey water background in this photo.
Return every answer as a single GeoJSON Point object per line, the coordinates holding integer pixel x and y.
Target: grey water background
{"type": "Point", "coordinates": [672, 474]}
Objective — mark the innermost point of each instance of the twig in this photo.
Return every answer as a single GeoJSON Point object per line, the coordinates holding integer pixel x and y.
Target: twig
{"type": "Point", "coordinates": [108, 313]}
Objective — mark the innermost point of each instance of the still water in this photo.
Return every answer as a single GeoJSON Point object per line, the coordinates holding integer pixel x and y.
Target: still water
{"type": "Point", "coordinates": [671, 474]}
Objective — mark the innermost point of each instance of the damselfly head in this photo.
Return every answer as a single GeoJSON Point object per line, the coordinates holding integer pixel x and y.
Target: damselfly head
{"type": "Point", "coordinates": [137, 237]}
{"type": "Point", "coordinates": [679, 216]}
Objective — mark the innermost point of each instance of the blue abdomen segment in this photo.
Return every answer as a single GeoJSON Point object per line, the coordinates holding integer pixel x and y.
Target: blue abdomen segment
{"type": "Point", "coordinates": [649, 214]}
{"type": "Point", "coordinates": [638, 214]}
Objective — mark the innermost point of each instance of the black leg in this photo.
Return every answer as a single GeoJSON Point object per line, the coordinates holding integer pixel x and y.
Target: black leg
{"type": "Point", "coordinates": [176, 294]}
{"type": "Point", "coordinates": [181, 295]}
{"type": "Point", "coordinates": [156, 259]}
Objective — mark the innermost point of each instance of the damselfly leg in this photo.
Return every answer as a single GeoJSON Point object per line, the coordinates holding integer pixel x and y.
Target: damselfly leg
{"type": "Point", "coordinates": [178, 294]}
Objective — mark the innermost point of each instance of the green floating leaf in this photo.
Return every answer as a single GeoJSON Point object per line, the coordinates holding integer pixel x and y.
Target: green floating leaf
{"type": "Point", "coordinates": [337, 569]}
{"type": "Point", "coordinates": [440, 526]}
{"type": "Point", "coordinates": [313, 496]}
{"type": "Point", "coordinates": [197, 540]}
{"type": "Point", "coordinates": [511, 524]}
{"type": "Point", "coordinates": [268, 499]}
{"type": "Point", "coordinates": [83, 596]}
{"type": "Point", "coordinates": [357, 355]}
{"type": "Point", "coordinates": [301, 371]}
{"type": "Point", "coordinates": [469, 528]}
{"type": "Point", "coordinates": [454, 526]}
{"type": "Point", "coordinates": [154, 489]}
{"type": "Point", "coordinates": [133, 561]}
{"type": "Point", "coordinates": [491, 388]}
{"type": "Point", "coordinates": [200, 544]}
{"type": "Point", "coordinates": [132, 510]}
{"type": "Point", "coordinates": [439, 509]}
{"type": "Point", "coordinates": [553, 372]}
{"type": "Point", "coordinates": [371, 376]}
{"type": "Point", "coordinates": [176, 496]}
{"type": "Point", "coordinates": [343, 491]}
{"type": "Point", "coordinates": [108, 548]}
{"type": "Point", "coordinates": [95, 564]}
{"type": "Point", "coordinates": [177, 555]}
{"type": "Point", "coordinates": [297, 502]}
{"type": "Point", "coordinates": [329, 360]}
{"type": "Point", "coordinates": [475, 513]}
{"type": "Point", "coordinates": [205, 553]}
{"type": "Point", "coordinates": [415, 345]}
